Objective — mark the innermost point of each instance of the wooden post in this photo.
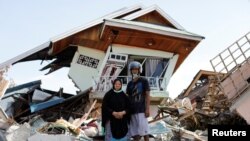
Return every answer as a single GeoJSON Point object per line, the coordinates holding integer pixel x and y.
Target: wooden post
{"type": "Point", "coordinates": [4, 84]}
{"type": "Point", "coordinates": [85, 116]}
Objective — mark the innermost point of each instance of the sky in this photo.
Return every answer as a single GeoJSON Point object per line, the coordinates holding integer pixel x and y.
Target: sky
{"type": "Point", "coordinates": [27, 24]}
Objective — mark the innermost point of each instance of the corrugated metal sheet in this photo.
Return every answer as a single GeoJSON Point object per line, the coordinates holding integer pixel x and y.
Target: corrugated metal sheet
{"type": "Point", "coordinates": [44, 105]}
{"type": "Point", "coordinates": [25, 54]}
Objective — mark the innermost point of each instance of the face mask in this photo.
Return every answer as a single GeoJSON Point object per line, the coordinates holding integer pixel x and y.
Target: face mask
{"type": "Point", "coordinates": [118, 91]}
{"type": "Point", "coordinates": [135, 76]}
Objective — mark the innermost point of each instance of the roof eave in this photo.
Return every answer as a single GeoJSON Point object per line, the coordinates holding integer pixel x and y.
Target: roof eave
{"type": "Point", "coordinates": [109, 22]}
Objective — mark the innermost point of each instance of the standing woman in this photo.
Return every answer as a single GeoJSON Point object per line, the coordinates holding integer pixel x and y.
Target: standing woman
{"type": "Point", "coordinates": [115, 113]}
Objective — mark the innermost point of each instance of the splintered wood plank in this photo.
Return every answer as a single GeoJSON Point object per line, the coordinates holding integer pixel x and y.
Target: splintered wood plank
{"type": "Point", "coordinates": [4, 84]}
{"type": "Point", "coordinates": [85, 116]}
{"type": "Point", "coordinates": [186, 115]}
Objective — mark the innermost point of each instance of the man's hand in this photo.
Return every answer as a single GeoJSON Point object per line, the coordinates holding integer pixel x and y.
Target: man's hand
{"type": "Point", "coordinates": [147, 99]}
{"type": "Point", "coordinates": [147, 113]}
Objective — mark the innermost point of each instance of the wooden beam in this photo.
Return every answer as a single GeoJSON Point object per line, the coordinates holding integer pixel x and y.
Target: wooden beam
{"type": "Point", "coordinates": [4, 84]}
{"type": "Point", "coordinates": [85, 116]}
{"type": "Point", "coordinates": [186, 115]}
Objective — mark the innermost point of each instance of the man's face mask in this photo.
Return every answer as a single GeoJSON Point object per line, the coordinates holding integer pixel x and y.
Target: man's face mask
{"type": "Point", "coordinates": [134, 75]}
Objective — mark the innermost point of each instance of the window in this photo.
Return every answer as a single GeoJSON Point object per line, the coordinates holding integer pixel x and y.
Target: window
{"type": "Point", "coordinates": [118, 57]}
{"type": "Point", "coordinates": [124, 58]}
{"type": "Point", "coordinates": [112, 56]}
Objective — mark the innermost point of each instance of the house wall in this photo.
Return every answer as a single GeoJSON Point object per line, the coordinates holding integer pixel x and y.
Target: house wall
{"type": "Point", "coordinates": [237, 81]}
{"type": "Point", "coordinates": [241, 106]}
{"type": "Point", "coordinates": [85, 66]}
{"type": "Point", "coordinates": [140, 51]}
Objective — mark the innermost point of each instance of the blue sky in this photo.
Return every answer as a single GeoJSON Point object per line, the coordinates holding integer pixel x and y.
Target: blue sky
{"type": "Point", "coordinates": [26, 24]}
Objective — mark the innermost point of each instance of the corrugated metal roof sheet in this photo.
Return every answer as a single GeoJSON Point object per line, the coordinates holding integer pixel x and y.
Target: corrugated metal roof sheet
{"type": "Point", "coordinates": [44, 105]}
{"type": "Point", "coordinates": [24, 55]}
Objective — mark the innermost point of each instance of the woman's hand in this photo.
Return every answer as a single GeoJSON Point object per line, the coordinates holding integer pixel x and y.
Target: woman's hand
{"type": "Point", "coordinates": [119, 115]}
{"type": "Point", "coordinates": [122, 113]}
{"type": "Point", "coordinates": [116, 115]}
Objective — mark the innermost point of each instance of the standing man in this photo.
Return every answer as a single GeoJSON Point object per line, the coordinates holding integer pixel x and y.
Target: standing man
{"type": "Point", "coordinates": [138, 91]}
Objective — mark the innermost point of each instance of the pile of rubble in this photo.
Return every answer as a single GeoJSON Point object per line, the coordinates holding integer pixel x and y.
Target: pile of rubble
{"type": "Point", "coordinates": [28, 112]}
{"type": "Point", "coordinates": [190, 114]}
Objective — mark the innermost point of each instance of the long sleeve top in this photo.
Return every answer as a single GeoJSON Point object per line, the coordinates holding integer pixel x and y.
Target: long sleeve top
{"type": "Point", "coordinates": [116, 102]}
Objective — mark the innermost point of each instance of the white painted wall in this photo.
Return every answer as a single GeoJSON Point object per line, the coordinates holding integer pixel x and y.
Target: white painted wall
{"type": "Point", "coordinates": [242, 105]}
{"type": "Point", "coordinates": [140, 51]}
{"type": "Point", "coordinates": [170, 69]}
{"type": "Point", "coordinates": [82, 74]}
{"type": "Point", "coordinates": [104, 61]}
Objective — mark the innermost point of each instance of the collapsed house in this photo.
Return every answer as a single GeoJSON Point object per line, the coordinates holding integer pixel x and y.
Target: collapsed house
{"type": "Point", "coordinates": [234, 61]}
{"type": "Point", "coordinates": [209, 102]}
{"type": "Point", "coordinates": [219, 97]}
{"type": "Point", "coordinates": [96, 54]}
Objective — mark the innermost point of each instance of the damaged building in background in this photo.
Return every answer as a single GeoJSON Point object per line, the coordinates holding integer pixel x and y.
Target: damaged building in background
{"type": "Point", "coordinates": [234, 62]}
{"type": "Point", "coordinates": [219, 97]}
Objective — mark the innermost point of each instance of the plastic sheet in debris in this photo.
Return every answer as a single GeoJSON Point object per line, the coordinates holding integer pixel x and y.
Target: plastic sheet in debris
{"type": "Point", "coordinates": [159, 130]}
{"type": "Point", "coordinates": [36, 123]}
{"type": "Point", "coordinates": [158, 127]}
